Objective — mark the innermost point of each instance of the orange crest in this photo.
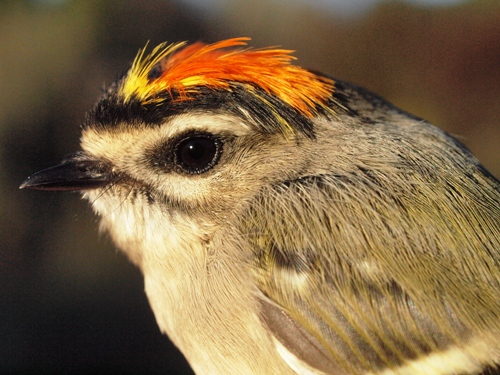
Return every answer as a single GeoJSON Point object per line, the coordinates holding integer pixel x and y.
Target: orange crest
{"type": "Point", "coordinates": [219, 66]}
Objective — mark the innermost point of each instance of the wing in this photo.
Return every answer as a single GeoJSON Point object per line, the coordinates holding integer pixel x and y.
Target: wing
{"type": "Point", "coordinates": [362, 274]}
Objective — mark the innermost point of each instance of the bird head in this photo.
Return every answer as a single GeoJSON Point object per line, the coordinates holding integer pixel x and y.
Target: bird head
{"type": "Point", "coordinates": [187, 128]}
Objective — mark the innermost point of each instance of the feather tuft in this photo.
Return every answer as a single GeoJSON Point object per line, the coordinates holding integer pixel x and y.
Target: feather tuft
{"type": "Point", "coordinates": [182, 72]}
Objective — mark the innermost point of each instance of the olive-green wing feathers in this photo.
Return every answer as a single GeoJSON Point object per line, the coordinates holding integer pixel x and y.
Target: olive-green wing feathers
{"type": "Point", "coordinates": [414, 292]}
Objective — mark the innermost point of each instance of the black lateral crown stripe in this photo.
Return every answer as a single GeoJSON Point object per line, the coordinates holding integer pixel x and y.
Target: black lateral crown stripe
{"type": "Point", "coordinates": [268, 113]}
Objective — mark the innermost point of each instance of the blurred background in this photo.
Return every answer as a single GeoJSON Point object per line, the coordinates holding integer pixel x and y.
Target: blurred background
{"type": "Point", "coordinates": [69, 302]}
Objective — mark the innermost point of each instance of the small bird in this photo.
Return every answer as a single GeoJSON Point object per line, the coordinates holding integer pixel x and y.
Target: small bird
{"type": "Point", "coordinates": [287, 222]}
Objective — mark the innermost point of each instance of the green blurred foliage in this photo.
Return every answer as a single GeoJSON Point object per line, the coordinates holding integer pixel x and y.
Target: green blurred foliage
{"type": "Point", "coordinates": [70, 302]}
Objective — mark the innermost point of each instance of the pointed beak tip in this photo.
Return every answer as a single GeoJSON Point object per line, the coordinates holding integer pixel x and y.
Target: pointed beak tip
{"type": "Point", "coordinates": [73, 174]}
{"type": "Point", "coordinates": [26, 184]}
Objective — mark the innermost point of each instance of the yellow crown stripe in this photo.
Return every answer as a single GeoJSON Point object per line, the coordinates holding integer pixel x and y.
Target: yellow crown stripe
{"type": "Point", "coordinates": [199, 65]}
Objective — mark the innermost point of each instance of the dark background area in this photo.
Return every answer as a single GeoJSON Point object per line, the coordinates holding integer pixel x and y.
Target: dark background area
{"type": "Point", "coordinates": [71, 303]}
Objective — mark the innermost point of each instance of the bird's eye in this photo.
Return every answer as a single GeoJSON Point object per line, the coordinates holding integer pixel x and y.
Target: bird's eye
{"type": "Point", "coordinates": [197, 153]}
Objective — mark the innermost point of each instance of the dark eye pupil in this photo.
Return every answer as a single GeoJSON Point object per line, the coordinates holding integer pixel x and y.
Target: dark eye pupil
{"type": "Point", "coordinates": [197, 154]}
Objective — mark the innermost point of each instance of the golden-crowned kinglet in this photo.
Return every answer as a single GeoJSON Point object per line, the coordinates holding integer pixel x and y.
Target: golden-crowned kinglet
{"type": "Point", "coordinates": [289, 223]}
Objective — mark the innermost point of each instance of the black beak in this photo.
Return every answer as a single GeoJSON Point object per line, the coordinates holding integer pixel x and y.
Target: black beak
{"type": "Point", "coordinates": [76, 172]}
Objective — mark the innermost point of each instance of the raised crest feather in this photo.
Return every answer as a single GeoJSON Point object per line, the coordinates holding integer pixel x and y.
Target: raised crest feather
{"type": "Point", "coordinates": [181, 72]}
